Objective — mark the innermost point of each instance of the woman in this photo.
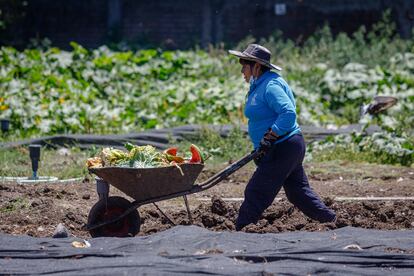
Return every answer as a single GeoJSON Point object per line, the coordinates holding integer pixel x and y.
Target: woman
{"type": "Point", "coordinates": [271, 112]}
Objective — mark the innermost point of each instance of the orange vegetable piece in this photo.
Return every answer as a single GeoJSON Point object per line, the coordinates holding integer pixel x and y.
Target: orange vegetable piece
{"type": "Point", "coordinates": [178, 159]}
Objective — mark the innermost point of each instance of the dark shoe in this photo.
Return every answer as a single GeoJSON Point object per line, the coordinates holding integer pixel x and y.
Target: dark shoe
{"type": "Point", "coordinates": [239, 227]}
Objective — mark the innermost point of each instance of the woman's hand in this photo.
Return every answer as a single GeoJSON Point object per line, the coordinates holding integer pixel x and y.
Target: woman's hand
{"type": "Point", "coordinates": [268, 140]}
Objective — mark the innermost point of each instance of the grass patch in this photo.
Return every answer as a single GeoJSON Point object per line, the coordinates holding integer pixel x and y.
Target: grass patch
{"type": "Point", "coordinates": [67, 163]}
{"type": "Point", "coordinates": [15, 162]}
{"type": "Point", "coordinates": [14, 205]}
{"type": "Point", "coordinates": [352, 155]}
{"type": "Point", "coordinates": [340, 153]}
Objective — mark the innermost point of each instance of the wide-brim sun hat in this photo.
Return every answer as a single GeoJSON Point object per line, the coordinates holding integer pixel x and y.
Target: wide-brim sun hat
{"type": "Point", "coordinates": [258, 53]}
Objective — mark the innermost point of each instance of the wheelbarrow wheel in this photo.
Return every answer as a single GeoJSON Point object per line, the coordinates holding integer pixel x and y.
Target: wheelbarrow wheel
{"type": "Point", "coordinates": [115, 206]}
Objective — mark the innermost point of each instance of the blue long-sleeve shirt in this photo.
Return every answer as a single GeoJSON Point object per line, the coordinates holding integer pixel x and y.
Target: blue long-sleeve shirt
{"type": "Point", "coordinates": [270, 104]}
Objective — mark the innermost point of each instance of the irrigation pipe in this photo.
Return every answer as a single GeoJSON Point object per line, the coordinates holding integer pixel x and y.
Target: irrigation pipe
{"type": "Point", "coordinates": [339, 198]}
{"type": "Point", "coordinates": [42, 179]}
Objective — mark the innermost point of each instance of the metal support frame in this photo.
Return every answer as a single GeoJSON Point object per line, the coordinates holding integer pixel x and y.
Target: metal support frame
{"type": "Point", "coordinates": [164, 214]}
{"type": "Point", "coordinates": [190, 218]}
{"type": "Point", "coordinates": [102, 188]}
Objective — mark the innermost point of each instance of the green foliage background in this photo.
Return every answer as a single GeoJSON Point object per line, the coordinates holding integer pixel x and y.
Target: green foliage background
{"type": "Point", "coordinates": [45, 90]}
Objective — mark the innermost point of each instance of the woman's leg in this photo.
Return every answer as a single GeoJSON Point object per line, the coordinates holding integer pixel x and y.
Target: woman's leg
{"type": "Point", "coordinates": [259, 194]}
{"type": "Point", "coordinates": [268, 179]}
{"type": "Point", "coordinates": [299, 192]}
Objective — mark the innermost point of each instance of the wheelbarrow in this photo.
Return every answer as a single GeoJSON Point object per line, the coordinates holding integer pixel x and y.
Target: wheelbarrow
{"type": "Point", "coordinates": [114, 216]}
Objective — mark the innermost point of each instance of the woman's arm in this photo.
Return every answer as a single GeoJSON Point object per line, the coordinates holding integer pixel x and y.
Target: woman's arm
{"type": "Point", "coordinates": [279, 101]}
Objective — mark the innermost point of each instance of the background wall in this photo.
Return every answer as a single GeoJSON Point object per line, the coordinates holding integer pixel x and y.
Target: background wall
{"type": "Point", "coordinates": [184, 23]}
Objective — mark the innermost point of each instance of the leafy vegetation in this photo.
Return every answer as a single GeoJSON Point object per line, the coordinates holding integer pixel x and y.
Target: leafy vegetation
{"type": "Point", "coordinates": [381, 148]}
{"type": "Point", "coordinates": [45, 90]}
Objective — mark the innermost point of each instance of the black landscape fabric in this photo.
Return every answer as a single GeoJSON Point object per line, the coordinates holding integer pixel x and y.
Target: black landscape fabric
{"type": "Point", "coordinates": [161, 138]}
{"type": "Point", "coordinates": [194, 250]}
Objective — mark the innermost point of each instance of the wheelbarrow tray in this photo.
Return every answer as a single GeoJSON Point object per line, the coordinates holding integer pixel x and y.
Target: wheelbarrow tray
{"type": "Point", "coordinates": [145, 183]}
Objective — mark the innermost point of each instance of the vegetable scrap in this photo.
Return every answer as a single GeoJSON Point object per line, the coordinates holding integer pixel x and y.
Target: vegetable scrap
{"type": "Point", "coordinates": [144, 157]}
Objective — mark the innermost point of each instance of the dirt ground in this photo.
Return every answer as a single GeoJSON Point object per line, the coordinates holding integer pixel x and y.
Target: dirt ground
{"type": "Point", "coordinates": [37, 209]}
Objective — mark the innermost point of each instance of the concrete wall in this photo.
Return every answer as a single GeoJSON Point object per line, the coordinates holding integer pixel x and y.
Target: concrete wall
{"type": "Point", "coordinates": [185, 23]}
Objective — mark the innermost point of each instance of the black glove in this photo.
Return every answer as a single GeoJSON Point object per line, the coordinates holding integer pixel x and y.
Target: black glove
{"type": "Point", "coordinates": [267, 141]}
{"type": "Point", "coordinates": [266, 144]}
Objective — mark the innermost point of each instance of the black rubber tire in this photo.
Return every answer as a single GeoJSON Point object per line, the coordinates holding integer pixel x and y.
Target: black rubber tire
{"type": "Point", "coordinates": [126, 227]}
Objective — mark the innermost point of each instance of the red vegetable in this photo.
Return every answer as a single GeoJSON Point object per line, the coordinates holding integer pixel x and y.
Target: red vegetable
{"type": "Point", "coordinates": [196, 155]}
{"type": "Point", "coordinates": [171, 151]}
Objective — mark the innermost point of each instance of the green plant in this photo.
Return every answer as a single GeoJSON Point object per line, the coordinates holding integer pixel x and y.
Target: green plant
{"type": "Point", "coordinates": [381, 148]}
{"type": "Point", "coordinates": [47, 91]}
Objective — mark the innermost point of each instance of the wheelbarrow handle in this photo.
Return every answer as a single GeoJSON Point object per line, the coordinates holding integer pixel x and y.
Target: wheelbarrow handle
{"type": "Point", "coordinates": [212, 181]}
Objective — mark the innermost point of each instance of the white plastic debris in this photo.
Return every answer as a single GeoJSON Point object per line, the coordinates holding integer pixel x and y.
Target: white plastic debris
{"type": "Point", "coordinates": [81, 244]}
{"type": "Point", "coordinates": [353, 247]}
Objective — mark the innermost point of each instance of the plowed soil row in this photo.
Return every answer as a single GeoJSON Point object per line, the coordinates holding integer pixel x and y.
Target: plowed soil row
{"type": "Point", "coordinates": [36, 210]}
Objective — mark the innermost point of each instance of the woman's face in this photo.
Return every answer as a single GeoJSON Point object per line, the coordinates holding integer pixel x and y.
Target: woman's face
{"type": "Point", "coordinates": [249, 70]}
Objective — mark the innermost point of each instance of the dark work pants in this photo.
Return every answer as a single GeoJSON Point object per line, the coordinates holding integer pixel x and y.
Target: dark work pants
{"type": "Point", "coordinates": [282, 167]}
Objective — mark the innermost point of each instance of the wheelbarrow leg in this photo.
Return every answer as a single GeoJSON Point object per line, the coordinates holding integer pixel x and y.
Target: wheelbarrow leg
{"type": "Point", "coordinates": [190, 218]}
{"type": "Point", "coordinates": [164, 214]}
{"type": "Point", "coordinates": [102, 188]}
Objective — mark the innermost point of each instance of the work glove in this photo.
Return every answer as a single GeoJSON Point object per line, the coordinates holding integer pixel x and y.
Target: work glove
{"type": "Point", "coordinates": [269, 138]}
{"type": "Point", "coordinates": [267, 141]}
